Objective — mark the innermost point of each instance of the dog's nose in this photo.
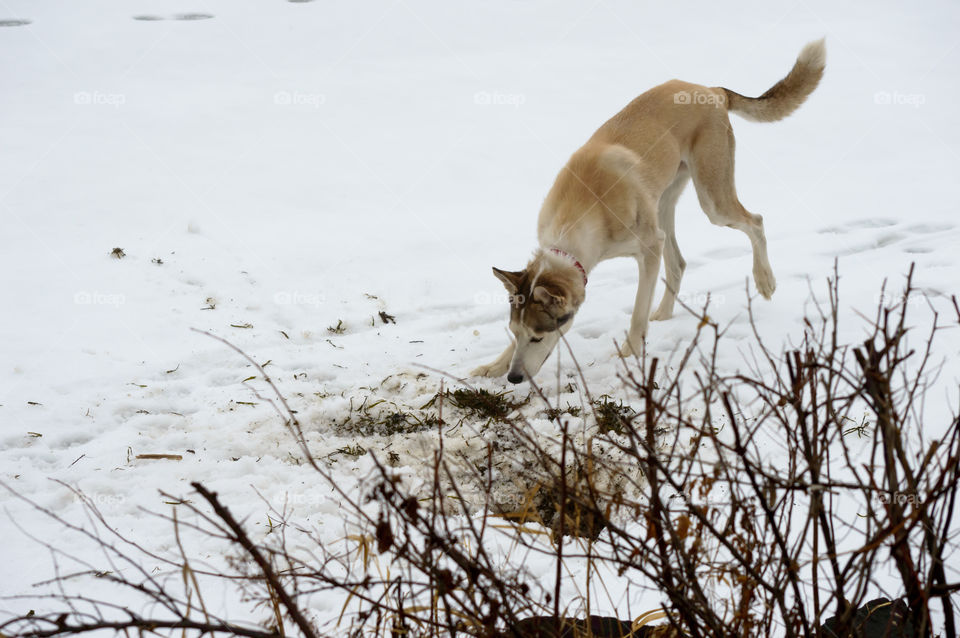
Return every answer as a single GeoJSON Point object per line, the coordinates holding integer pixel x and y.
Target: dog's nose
{"type": "Point", "coordinates": [515, 378]}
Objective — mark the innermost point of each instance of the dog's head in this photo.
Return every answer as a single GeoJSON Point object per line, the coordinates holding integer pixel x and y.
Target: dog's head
{"type": "Point", "coordinates": [542, 305]}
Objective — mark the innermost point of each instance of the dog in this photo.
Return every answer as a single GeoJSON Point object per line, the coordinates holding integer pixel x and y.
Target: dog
{"type": "Point", "coordinates": [616, 197]}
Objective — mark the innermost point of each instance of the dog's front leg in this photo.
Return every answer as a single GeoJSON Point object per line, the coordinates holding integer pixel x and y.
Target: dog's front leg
{"type": "Point", "coordinates": [498, 367]}
{"type": "Point", "coordinates": [649, 266]}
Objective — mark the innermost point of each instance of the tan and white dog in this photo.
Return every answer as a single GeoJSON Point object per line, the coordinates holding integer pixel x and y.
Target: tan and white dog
{"type": "Point", "coordinates": [616, 197]}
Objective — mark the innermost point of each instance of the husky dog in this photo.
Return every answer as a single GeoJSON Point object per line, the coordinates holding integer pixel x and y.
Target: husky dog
{"type": "Point", "coordinates": [616, 197]}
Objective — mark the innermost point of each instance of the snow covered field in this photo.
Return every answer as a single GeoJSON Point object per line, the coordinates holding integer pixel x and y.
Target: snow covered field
{"type": "Point", "coordinates": [272, 171]}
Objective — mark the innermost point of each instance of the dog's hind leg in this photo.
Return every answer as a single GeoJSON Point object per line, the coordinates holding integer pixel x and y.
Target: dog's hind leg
{"type": "Point", "coordinates": [711, 166]}
{"type": "Point", "coordinates": [673, 262]}
{"type": "Point", "coordinates": [499, 366]}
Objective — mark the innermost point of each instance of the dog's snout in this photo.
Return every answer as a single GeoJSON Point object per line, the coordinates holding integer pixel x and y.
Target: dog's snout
{"type": "Point", "coordinates": [515, 378]}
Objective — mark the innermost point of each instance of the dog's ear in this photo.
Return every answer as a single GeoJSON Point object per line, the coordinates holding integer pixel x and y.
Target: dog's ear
{"type": "Point", "coordinates": [511, 280]}
{"type": "Point", "coordinates": [548, 299]}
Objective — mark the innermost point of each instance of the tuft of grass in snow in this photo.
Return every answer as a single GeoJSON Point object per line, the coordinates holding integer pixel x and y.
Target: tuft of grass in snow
{"type": "Point", "coordinates": [612, 417]}
{"type": "Point", "coordinates": [356, 450]}
{"type": "Point", "coordinates": [554, 414]}
{"type": "Point", "coordinates": [485, 404]}
{"type": "Point", "coordinates": [368, 420]}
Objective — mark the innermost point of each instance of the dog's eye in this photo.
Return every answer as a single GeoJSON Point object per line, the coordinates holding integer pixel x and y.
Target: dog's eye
{"type": "Point", "coordinates": [536, 339]}
{"type": "Point", "coordinates": [564, 319]}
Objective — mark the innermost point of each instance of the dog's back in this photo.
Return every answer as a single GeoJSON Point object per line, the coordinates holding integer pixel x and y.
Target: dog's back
{"type": "Point", "coordinates": [661, 124]}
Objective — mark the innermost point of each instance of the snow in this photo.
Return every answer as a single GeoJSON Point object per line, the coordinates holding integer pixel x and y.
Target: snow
{"type": "Point", "coordinates": [289, 166]}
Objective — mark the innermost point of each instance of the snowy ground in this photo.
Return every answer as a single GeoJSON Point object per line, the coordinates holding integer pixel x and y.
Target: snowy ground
{"type": "Point", "coordinates": [272, 170]}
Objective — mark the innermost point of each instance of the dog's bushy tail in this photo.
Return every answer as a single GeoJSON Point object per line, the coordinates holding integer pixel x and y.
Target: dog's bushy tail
{"type": "Point", "coordinates": [784, 97]}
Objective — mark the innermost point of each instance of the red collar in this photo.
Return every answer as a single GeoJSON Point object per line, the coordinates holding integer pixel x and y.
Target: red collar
{"type": "Point", "coordinates": [574, 260]}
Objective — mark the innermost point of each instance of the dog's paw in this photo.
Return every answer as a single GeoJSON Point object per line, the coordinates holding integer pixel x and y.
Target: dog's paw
{"type": "Point", "coordinates": [766, 282]}
{"type": "Point", "coordinates": [661, 314]}
{"type": "Point", "coordinates": [626, 350]}
{"type": "Point", "coordinates": [490, 370]}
